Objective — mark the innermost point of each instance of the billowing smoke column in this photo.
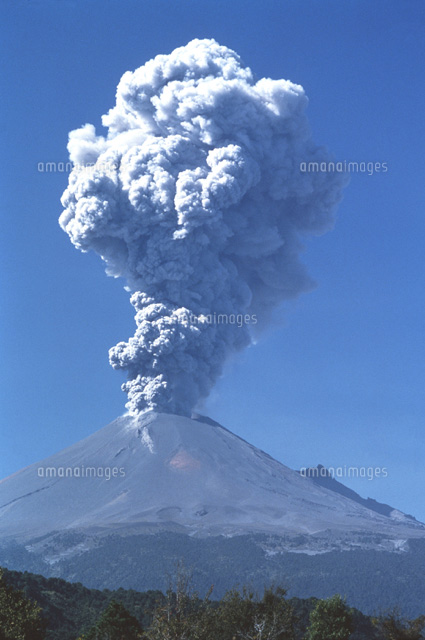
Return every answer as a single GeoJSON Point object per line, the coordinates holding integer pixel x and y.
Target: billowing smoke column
{"type": "Point", "coordinates": [196, 198]}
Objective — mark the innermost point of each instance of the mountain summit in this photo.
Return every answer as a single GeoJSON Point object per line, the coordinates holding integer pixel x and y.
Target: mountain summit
{"type": "Point", "coordinates": [163, 472]}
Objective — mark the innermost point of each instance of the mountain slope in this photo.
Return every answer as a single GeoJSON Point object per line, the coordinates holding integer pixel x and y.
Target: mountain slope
{"type": "Point", "coordinates": [321, 476]}
{"type": "Point", "coordinates": [167, 472]}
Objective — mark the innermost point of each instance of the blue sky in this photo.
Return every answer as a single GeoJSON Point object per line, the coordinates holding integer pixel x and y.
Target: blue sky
{"type": "Point", "coordinates": [339, 381]}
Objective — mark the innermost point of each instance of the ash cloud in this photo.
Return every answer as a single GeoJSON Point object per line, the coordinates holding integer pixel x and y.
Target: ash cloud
{"type": "Point", "coordinates": [196, 199]}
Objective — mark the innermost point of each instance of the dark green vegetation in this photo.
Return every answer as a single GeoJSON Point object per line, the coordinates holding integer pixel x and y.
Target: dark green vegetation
{"type": "Point", "coordinates": [71, 611]}
{"type": "Point", "coordinates": [370, 580]}
{"type": "Point", "coordinates": [20, 618]}
{"type": "Point", "coordinates": [71, 608]}
{"type": "Point", "coordinates": [330, 620]}
{"type": "Point", "coordinates": [115, 622]}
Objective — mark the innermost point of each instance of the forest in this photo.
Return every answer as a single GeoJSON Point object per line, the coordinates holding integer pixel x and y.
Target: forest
{"type": "Point", "coordinates": [33, 607]}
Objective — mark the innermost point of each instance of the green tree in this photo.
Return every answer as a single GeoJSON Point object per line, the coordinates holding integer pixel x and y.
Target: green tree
{"type": "Point", "coordinates": [331, 619]}
{"type": "Point", "coordinates": [393, 626]}
{"type": "Point", "coordinates": [183, 615]}
{"type": "Point", "coordinates": [20, 618]}
{"type": "Point", "coordinates": [115, 623]}
{"type": "Point", "coordinates": [241, 616]}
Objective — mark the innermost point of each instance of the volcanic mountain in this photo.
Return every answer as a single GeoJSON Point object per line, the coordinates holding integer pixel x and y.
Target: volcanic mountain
{"type": "Point", "coordinates": [163, 472]}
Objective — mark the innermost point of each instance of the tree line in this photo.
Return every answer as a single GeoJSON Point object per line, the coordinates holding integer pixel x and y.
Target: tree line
{"type": "Point", "coordinates": [181, 614]}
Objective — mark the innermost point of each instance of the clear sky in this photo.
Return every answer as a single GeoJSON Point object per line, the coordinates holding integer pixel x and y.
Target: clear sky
{"type": "Point", "coordinates": [340, 380]}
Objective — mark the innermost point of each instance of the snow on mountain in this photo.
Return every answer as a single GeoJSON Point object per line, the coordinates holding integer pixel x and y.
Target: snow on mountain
{"type": "Point", "coordinates": [176, 473]}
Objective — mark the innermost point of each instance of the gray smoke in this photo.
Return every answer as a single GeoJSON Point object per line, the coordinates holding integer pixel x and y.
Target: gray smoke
{"type": "Point", "coordinates": [196, 198]}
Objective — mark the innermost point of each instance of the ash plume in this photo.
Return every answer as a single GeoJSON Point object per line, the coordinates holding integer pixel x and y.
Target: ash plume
{"type": "Point", "coordinates": [195, 197]}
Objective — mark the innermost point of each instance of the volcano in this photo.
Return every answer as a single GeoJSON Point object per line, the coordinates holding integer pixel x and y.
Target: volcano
{"type": "Point", "coordinates": [124, 506]}
{"type": "Point", "coordinates": [163, 472]}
